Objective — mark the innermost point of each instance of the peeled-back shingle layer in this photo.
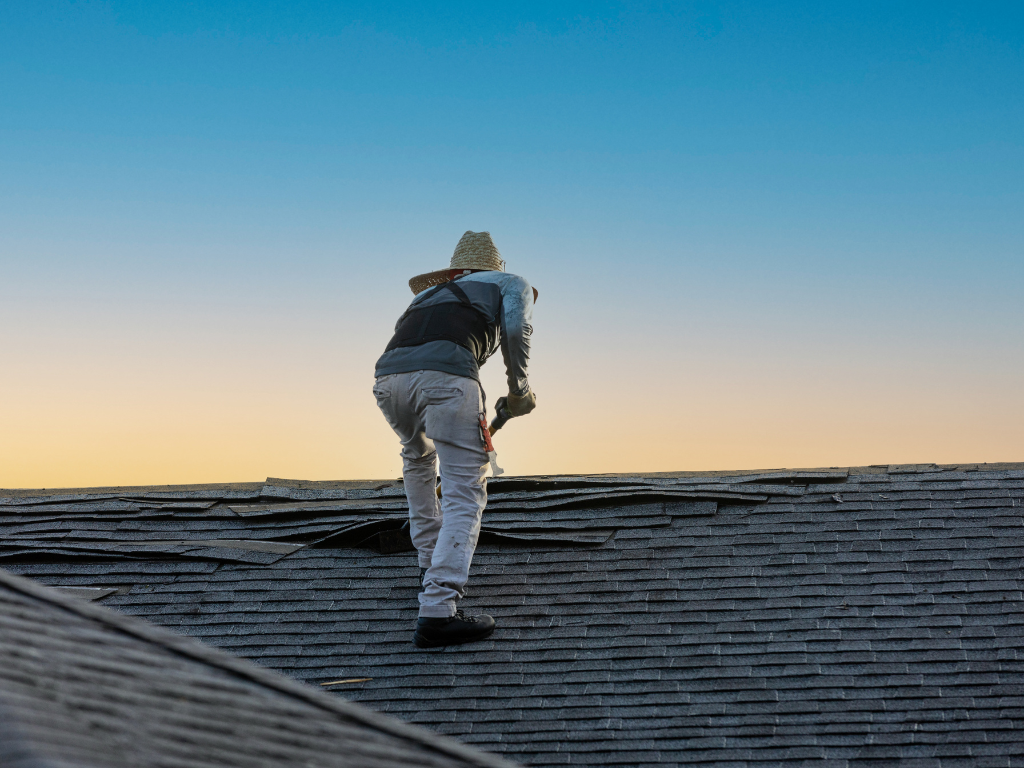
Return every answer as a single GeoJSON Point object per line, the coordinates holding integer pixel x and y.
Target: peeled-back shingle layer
{"type": "Point", "coordinates": [740, 619]}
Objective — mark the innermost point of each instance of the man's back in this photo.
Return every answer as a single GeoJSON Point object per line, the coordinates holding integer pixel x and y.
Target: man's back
{"type": "Point", "coordinates": [505, 302]}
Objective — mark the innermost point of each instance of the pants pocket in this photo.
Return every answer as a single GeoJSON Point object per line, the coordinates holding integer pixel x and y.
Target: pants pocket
{"type": "Point", "coordinates": [386, 402]}
{"type": "Point", "coordinates": [452, 415]}
{"type": "Point", "coordinates": [442, 395]}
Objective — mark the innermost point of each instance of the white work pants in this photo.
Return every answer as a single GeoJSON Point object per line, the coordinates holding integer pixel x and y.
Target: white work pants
{"type": "Point", "coordinates": [437, 415]}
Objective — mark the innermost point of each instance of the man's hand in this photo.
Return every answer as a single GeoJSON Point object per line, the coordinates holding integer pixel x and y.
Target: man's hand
{"type": "Point", "coordinates": [520, 405]}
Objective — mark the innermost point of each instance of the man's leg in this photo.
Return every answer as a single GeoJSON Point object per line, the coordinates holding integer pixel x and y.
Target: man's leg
{"type": "Point", "coordinates": [396, 398]}
{"type": "Point", "coordinates": [451, 408]}
{"type": "Point", "coordinates": [464, 495]}
{"type": "Point", "coordinates": [420, 476]}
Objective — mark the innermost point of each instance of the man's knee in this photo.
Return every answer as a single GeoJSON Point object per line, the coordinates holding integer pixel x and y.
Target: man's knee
{"type": "Point", "coordinates": [426, 460]}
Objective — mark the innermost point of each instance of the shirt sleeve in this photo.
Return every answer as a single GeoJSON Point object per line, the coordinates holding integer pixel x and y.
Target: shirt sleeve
{"type": "Point", "coordinates": [516, 330]}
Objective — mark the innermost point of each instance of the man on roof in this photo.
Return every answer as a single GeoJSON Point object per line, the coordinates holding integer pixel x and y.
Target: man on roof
{"type": "Point", "coordinates": [428, 387]}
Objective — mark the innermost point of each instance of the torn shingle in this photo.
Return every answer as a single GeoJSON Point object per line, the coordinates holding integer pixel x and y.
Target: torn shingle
{"type": "Point", "coordinates": [88, 593]}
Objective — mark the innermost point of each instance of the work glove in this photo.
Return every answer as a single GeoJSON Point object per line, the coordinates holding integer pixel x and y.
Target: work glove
{"type": "Point", "coordinates": [520, 405]}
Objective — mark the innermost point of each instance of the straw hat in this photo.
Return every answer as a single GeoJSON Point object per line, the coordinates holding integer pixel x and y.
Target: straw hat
{"type": "Point", "coordinates": [475, 250]}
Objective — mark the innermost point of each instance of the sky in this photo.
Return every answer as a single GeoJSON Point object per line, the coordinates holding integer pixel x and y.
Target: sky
{"type": "Point", "coordinates": [764, 234]}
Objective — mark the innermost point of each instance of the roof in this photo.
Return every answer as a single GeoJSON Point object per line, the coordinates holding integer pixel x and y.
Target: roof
{"type": "Point", "coordinates": [83, 685]}
{"type": "Point", "coordinates": [743, 618]}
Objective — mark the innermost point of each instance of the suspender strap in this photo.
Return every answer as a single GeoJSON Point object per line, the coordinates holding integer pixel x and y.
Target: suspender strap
{"type": "Point", "coordinates": [451, 286]}
{"type": "Point", "coordinates": [459, 293]}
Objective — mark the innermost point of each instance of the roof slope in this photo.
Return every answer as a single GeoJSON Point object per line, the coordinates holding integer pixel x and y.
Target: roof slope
{"type": "Point", "coordinates": [82, 685]}
{"type": "Point", "coordinates": [732, 619]}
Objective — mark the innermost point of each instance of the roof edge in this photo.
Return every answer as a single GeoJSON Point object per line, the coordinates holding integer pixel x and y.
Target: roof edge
{"type": "Point", "coordinates": [869, 469]}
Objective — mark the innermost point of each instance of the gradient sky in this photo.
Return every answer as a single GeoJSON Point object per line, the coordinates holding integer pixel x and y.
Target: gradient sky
{"type": "Point", "coordinates": [764, 234]}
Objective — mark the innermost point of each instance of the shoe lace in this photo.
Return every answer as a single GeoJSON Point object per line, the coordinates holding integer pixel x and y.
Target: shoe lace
{"type": "Point", "coordinates": [463, 617]}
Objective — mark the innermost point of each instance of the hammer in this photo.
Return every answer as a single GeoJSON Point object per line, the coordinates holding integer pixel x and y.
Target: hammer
{"type": "Point", "coordinates": [502, 415]}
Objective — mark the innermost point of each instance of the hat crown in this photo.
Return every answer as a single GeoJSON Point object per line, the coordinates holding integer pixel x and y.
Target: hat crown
{"type": "Point", "coordinates": [476, 250]}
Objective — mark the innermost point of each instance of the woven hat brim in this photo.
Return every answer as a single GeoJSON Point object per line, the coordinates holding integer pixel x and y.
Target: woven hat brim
{"type": "Point", "coordinates": [420, 283]}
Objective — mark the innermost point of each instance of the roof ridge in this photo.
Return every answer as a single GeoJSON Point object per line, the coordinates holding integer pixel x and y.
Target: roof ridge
{"type": "Point", "coordinates": [215, 657]}
{"type": "Point", "coordinates": [255, 488]}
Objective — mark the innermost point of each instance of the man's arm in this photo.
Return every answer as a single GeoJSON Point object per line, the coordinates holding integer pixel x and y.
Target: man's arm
{"type": "Point", "coordinates": [516, 329]}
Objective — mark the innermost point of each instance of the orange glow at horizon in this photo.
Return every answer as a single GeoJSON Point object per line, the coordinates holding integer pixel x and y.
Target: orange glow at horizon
{"type": "Point", "coordinates": [83, 422]}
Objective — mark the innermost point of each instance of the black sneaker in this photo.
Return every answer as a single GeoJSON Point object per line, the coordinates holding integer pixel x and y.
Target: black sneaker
{"type": "Point", "coordinates": [433, 633]}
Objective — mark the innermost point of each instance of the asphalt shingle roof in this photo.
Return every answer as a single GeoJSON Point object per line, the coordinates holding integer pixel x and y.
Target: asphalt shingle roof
{"type": "Point", "coordinates": [81, 685]}
{"type": "Point", "coordinates": [736, 619]}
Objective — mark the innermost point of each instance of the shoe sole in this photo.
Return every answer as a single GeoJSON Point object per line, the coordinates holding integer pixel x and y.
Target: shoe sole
{"type": "Point", "coordinates": [423, 642]}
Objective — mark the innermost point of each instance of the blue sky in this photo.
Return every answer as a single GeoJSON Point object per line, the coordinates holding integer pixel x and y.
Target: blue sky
{"type": "Point", "coordinates": [840, 185]}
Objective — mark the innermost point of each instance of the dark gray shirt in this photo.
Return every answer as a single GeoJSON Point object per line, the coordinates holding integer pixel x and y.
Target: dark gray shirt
{"type": "Point", "coordinates": [509, 311]}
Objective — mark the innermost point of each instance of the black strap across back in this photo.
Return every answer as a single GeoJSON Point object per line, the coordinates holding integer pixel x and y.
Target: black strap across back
{"type": "Point", "coordinates": [460, 323]}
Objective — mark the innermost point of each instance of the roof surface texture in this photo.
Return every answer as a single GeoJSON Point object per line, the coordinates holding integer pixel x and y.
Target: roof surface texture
{"type": "Point", "coordinates": [742, 619]}
{"type": "Point", "coordinates": [81, 685]}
